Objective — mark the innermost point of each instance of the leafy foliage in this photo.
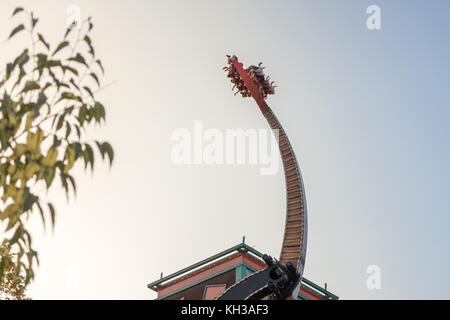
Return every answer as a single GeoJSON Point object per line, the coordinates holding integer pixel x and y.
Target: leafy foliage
{"type": "Point", "coordinates": [12, 286]}
{"type": "Point", "coordinates": [47, 101]}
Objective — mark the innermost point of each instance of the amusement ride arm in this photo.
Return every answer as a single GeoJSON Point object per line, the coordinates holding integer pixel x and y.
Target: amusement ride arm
{"type": "Point", "coordinates": [293, 250]}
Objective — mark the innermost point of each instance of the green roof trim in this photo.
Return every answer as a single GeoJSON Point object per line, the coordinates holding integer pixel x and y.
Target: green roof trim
{"type": "Point", "coordinates": [242, 247]}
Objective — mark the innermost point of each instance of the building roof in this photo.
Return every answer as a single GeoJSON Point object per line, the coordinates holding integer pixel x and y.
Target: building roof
{"type": "Point", "coordinates": [229, 256]}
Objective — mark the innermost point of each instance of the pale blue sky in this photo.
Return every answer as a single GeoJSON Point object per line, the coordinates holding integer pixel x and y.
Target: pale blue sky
{"type": "Point", "coordinates": [366, 111]}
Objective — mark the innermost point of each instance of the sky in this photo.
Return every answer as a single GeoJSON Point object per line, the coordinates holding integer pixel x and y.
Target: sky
{"type": "Point", "coordinates": [366, 111]}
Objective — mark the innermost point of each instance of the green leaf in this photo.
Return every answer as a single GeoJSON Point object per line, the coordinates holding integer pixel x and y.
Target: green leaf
{"type": "Point", "coordinates": [50, 175]}
{"type": "Point", "coordinates": [73, 70]}
{"type": "Point", "coordinates": [21, 148]}
{"type": "Point", "coordinates": [109, 150]}
{"type": "Point", "coordinates": [77, 128]}
{"type": "Point", "coordinates": [90, 155]}
{"type": "Point", "coordinates": [30, 169]}
{"type": "Point", "coordinates": [89, 43]}
{"type": "Point", "coordinates": [33, 20]}
{"type": "Point", "coordinates": [50, 158]}
{"type": "Point", "coordinates": [89, 91]}
{"type": "Point", "coordinates": [34, 140]}
{"type": "Point", "coordinates": [60, 122]}
{"type": "Point", "coordinates": [12, 221]}
{"type": "Point", "coordinates": [22, 59]}
{"type": "Point", "coordinates": [53, 63]}
{"type": "Point", "coordinates": [16, 30]}
{"type": "Point", "coordinates": [41, 63]}
{"type": "Point", "coordinates": [88, 40]}
{"type": "Point", "coordinates": [9, 211]}
{"type": "Point", "coordinates": [99, 111]}
{"type": "Point", "coordinates": [79, 58]}
{"type": "Point", "coordinates": [72, 81]}
{"type": "Point", "coordinates": [78, 149]}
{"type": "Point", "coordinates": [41, 212]}
{"type": "Point", "coordinates": [52, 213]}
{"type": "Point", "coordinates": [9, 69]}
{"type": "Point", "coordinates": [61, 46]}
{"type": "Point", "coordinates": [46, 86]}
{"type": "Point", "coordinates": [69, 110]}
{"type": "Point", "coordinates": [39, 103]}
{"type": "Point", "coordinates": [100, 149]}
{"type": "Point", "coordinates": [82, 114]}
{"type": "Point", "coordinates": [94, 76]}
{"type": "Point", "coordinates": [68, 30]}
{"type": "Point", "coordinates": [30, 200]}
{"type": "Point", "coordinates": [30, 85]}
{"type": "Point", "coordinates": [20, 77]}
{"type": "Point", "coordinates": [100, 65]}
{"type": "Point", "coordinates": [41, 39]}
{"type": "Point", "coordinates": [70, 156]}
{"type": "Point", "coordinates": [17, 10]}
{"type": "Point", "coordinates": [68, 129]}
{"type": "Point", "coordinates": [69, 96]}
{"type": "Point", "coordinates": [72, 181]}
{"type": "Point", "coordinates": [18, 234]}
{"type": "Point", "coordinates": [64, 184]}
